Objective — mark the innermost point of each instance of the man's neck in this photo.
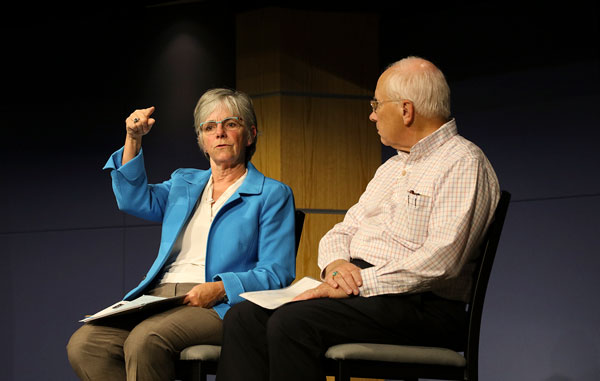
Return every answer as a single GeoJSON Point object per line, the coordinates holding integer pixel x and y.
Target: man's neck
{"type": "Point", "coordinates": [423, 127]}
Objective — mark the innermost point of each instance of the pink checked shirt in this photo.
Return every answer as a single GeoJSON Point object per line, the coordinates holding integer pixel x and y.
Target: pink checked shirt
{"type": "Point", "coordinates": [420, 219]}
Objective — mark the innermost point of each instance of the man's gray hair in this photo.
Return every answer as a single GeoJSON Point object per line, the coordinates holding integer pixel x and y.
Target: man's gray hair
{"type": "Point", "coordinates": [421, 82]}
{"type": "Point", "coordinates": [238, 103]}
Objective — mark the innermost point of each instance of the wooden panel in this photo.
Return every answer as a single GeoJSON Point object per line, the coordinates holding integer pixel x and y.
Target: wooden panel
{"type": "Point", "coordinates": [267, 157]}
{"type": "Point", "coordinates": [331, 150]}
{"type": "Point", "coordinates": [258, 51]}
{"type": "Point", "coordinates": [326, 149]}
{"type": "Point", "coordinates": [287, 50]}
{"type": "Point", "coordinates": [315, 227]}
{"type": "Point", "coordinates": [329, 52]}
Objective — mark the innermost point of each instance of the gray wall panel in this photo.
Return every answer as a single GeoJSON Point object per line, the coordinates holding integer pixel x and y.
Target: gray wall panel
{"type": "Point", "coordinates": [541, 315]}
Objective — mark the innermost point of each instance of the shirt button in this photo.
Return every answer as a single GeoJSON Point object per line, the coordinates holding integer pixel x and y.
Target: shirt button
{"type": "Point", "coordinates": [403, 172]}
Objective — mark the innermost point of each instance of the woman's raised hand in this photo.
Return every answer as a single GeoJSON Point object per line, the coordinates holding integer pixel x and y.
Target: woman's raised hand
{"type": "Point", "coordinates": [139, 122]}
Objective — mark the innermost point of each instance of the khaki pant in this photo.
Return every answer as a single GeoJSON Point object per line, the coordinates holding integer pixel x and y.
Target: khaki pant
{"type": "Point", "coordinates": [142, 347]}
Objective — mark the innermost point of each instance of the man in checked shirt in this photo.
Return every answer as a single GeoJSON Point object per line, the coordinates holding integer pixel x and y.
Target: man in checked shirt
{"type": "Point", "coordinates": [398, 269]}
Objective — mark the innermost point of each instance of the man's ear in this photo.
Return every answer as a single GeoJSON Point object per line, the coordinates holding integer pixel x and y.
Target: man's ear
{"type": "Point", "coordinates": [408, 112]}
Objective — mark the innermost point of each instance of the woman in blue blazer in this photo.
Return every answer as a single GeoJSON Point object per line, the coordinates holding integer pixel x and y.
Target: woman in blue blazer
{"type": "Point", "coordinates": [225, 231]}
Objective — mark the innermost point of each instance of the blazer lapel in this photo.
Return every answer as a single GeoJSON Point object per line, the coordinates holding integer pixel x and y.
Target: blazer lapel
{"type": "Point", "coordinates": [196, 183]}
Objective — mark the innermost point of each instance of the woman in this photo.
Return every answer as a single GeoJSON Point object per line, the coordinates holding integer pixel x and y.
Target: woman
{"type": "Point", "coordinates": [225, 231]}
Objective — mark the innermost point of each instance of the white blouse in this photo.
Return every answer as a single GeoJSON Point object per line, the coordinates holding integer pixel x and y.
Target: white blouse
{"type": "Point", "coordinates": [187, 262]}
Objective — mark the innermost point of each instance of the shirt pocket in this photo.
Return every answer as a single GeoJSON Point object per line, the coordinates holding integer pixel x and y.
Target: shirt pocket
{"type": "Point", "coordinates": [413, 226]}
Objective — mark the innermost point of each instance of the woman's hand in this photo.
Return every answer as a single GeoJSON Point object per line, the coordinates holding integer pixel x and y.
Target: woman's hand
{"type": "Point", "coordinates": [205, 295]}
{"type": "Point", "coordinates": [324, 290]}
{"type": "Point", "coordinates": [139, 123]}
{"type": "Point", "coordinates": [343, 274]}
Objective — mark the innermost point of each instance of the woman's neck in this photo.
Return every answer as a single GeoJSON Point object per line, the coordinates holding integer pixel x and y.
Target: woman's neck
{"type": "Point", "coordinates": [223, 177]}
{"type": "Point", "coordinates": [222, 174]}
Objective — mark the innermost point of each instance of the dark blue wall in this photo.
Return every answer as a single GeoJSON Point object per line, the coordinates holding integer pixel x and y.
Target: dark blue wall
{"type": "Point", "coordinates": [525, 88]}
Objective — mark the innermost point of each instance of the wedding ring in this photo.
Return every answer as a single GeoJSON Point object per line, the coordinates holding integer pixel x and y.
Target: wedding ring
{"type": "Point", "coordinates": [136, 119]}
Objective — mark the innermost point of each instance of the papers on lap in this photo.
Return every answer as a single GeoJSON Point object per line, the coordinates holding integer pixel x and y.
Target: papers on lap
{"type": "Point", "coordinates": [144, 302]}
{"type": "Point", "coordinates": [272, 299]}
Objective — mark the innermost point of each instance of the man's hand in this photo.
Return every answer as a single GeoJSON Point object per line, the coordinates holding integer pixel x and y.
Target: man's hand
{"type": "Point", "coordinates": [343, 274]}
{"type": "Point", "coordinates": [205, 295]}
{"type": "Point", "coordinates": [324, 290]}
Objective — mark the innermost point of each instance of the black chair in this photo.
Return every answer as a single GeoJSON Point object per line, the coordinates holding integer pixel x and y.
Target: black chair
{"type": "Point", "coordinates": [410, 363]}
{"type": "Point", "coordinates": [198, 361]}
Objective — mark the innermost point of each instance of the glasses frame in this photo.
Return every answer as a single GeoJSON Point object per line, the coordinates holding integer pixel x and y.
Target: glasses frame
{"type": "Point", "coordinates": [375, 103]}
{"type": "Point", "coordinates": [217, 122]}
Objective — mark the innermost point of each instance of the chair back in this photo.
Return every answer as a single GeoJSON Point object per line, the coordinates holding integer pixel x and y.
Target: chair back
{"type": "Point", "coordinates": [298, 227]}
{"type": "Point", "coordinates": [481, 279]}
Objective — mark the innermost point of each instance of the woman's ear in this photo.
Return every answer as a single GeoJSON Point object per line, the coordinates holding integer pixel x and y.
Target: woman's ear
{"type": "Point", "coordinates": [252, 135]}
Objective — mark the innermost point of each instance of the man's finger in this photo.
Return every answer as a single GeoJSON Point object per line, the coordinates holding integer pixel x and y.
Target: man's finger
{"type": "Point", "coordinates": [357, 278]}
{"type": "Point", "coordinates": [346, 284]}
{"type": "Point", "coordinates": [330, 280]}
{"type": "Point", "coordinates": [303, 296]}
{"type": "Point", "coordinates": [332, 283]}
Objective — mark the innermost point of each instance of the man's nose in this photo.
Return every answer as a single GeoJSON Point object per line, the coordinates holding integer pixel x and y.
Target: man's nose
{"type": "Point", "coordinates": [373, 117]}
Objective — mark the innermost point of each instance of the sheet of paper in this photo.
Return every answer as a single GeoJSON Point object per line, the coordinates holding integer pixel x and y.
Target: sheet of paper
{"type": "Point", "coordinates": [136, 304]}
{"type": "Point", "coordinates": [272, 299]}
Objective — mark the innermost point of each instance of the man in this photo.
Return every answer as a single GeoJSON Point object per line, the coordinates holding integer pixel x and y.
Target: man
{"type": "Point", "coordinates": [398, 269]}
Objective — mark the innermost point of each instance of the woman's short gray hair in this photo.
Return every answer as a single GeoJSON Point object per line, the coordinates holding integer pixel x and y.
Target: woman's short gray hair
{"type": "Point", "coordinates": [426, 87]}
{"type": "Point", "coordinates": [238, 103]}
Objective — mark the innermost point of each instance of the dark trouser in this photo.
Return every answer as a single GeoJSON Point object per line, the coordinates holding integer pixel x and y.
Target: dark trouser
{"type": "Point", "coordinates": [289, 343]}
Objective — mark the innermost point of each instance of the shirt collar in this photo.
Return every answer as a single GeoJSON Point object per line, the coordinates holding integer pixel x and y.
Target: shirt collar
{"type": "Point", "coordinates": [430, 143]}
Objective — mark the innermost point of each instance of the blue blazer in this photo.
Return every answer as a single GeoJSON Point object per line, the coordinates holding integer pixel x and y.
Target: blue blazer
{"type": "Point", "coordinates": [251, 242]}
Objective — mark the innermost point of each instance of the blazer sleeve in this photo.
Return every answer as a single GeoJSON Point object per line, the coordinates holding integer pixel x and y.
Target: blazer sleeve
{"type": "Point", "coordinates": [133, 193]}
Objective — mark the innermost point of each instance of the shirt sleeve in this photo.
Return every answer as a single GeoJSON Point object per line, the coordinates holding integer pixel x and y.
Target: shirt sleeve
{"type": "Point", "coordinates": [335, 244]}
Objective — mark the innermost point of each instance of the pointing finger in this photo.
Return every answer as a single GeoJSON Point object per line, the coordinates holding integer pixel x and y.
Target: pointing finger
{"type": "Point", "coordinates": [148, 111]}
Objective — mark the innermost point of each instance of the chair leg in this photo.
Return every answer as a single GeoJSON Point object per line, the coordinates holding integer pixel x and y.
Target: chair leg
{"type": "Point", "coordinates": [198, 372]}
{"type": "Point", "coordinates": [342, 372]}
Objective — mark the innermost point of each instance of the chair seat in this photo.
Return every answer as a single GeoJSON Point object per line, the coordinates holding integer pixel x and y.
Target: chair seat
{"type": "Point", "coordinates": [396, 353]}
{"type": "Point", "coordinates": [201, 352]}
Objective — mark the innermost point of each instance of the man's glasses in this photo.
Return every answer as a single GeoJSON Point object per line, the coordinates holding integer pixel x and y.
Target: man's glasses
{"type": "Point", "coordinates": [229, 124]}
{"type": "Point", "coordinates": [375, 103]}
